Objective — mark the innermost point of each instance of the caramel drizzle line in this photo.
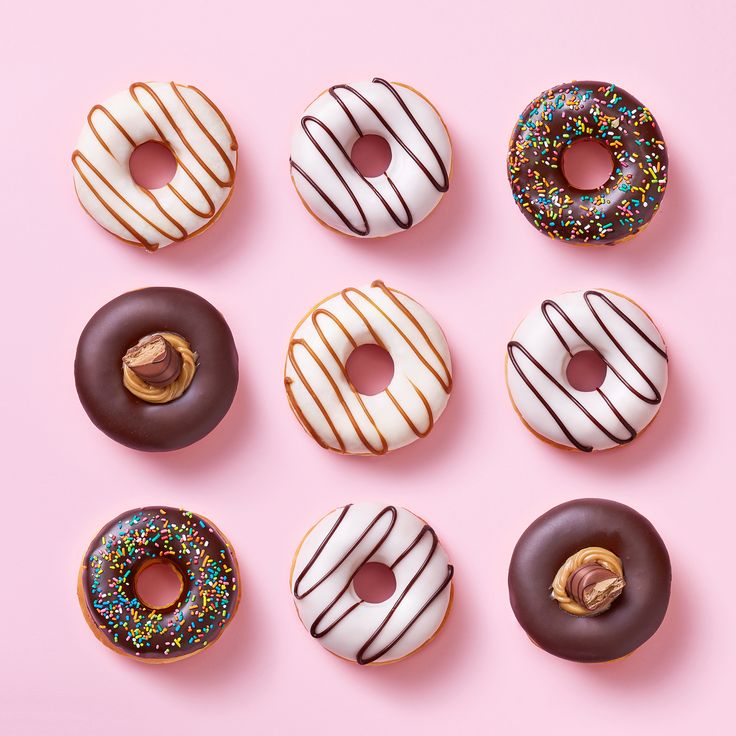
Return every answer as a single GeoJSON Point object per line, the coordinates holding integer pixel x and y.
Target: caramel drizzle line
{"type": "Point", "coordinates": [230, 169]}
{"type": "Point", "coordinates": [447, 386]}
{"type": "Point", "coordinates": [195, 181]}
{"type": "Point", "coordinates": [549, 304]}
{"type": "Point", "coordinates": [360, 656]}
{"type": "Point", "coordinates": [145, 243]}
{"type": "Point", "coordinates": [441, 187]}
{"type": "Point", "coordinates": [205, 215]}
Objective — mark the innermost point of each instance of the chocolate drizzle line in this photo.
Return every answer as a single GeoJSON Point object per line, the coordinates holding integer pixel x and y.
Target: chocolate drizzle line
{"type": "Point", "coordinates": [656, 399]}
{"type": "Point", "coordinates": [408, 221]}
{"type": "Point", "coordinates": [78, 156]}
{"type": "Point", "coordinates": [391, 511]}
{"type": "Point", "coordinates": [446, 382]}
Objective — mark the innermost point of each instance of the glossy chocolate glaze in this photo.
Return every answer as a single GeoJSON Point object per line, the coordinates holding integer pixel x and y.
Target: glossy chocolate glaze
{"type": "Point", "coordinates": [200, 555]}
{"type": "Point", "coordinates": [615, 119]}
{"type": "Point", "coordinates": [120, 324]}
{"type": "Point", "coordinates": [561, 532]}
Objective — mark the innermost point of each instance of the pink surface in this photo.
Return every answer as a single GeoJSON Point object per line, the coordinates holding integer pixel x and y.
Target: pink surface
{"type": "Point", "coordinates": [476, 264]}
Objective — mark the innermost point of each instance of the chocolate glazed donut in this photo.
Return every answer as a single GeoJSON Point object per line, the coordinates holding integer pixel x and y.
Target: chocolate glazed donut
{"type": "Point", "coordinates": [610, 116]}
{"type": "Point", "coordinates": [633, 617]}
{"type": "Point", "coordinates": [119, 325]}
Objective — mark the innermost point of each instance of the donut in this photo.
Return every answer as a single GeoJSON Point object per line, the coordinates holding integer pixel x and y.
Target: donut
{"type": "Point", "coordinates": [200, 555]}
{"type": "Point", "coordinates": [589, 580]}
{"type": "Point", "coordinates": [331, 186]}
{"type": "Point", "coordinates": [156, 369]}
{"type": "Point", "coordinates": [318, 388]}
{"type": "Point", "coordinates": [330, 556]}
{"type": "Point", "coordinates": [610, 116]}
{"type": "Point", "coordinates": [188, 123]}
{"type": "Point", "coordinates": [622, 335]}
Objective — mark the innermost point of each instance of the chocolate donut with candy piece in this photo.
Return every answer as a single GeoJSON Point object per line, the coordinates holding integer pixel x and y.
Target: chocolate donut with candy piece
{"type": "Point", "coordinates": [589, 580]}
{"type": "Point", "coordinates": [156, 369]}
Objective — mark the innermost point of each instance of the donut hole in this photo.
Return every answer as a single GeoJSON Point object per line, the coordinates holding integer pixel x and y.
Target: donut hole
{"type": "Point", "coordinates": [152, 165]}
{"type": "Point", "coordinates": [587, 164]}
{"type": "Point", "coordinates": [586, 371]}
{"type": "Point", "coordinates": [374, 582]}
{"type": "Point", "coordinates": [370, 369]}
{"type": "Point", "coordinates": [371, 155]}
{"type": "Point", "coordinates": [158, 584]}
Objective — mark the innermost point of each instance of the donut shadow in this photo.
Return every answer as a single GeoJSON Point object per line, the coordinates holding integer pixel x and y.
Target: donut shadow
{"type": "Point", "coordinates": [443, 658]}
{"type": "Point", "coordinates": [227, 440]}
{"type": "Point", "coordinates": [431, 238]}
{"type": "Point", "coordinates": [664, 435]}
{"type": "Point", "coordinates": [419, 457]}
{"type": "Point", "coordinates": [667, 232]}
{"type": "Point", "coordinates": [235, 659]}
{"type": "Point", "coordinates": [221, 240]}
{"type": "Point", "coordinates": [663, 655]}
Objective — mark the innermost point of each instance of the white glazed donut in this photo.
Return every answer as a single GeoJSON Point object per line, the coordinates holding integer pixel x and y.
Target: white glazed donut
{"type": "Point", "coordinates": [320, 392]}
{"type": "Point", "coordinates": [329, 558]}
{"type": "Point", "coordinates": [625, 338]}
{"type": "Point", "coordinates": [195, 131]}
{"type": "Point", "coordinates": [331, 186]}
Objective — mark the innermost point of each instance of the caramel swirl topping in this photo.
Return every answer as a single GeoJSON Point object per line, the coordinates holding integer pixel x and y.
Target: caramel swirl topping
{"type": "Point", "coordinates": [159, 368]}
{"type": "Point", "coordinates": [588, 582]}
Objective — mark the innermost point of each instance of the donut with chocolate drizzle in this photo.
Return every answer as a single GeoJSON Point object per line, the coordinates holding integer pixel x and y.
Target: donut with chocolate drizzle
{"type": "Point", "coordinates": [332, 187]}
{"type": "Point", "coordinates": [629, 344]}
{"type": "Point", "coordinates": [331, 555]}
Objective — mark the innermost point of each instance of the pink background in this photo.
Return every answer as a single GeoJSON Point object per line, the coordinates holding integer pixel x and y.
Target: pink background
{"type": "Point", "coordinates": [476, 264]}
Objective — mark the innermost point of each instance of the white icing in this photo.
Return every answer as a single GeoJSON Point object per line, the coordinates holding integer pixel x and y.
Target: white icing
{"type": "Point", "coordinates": [321, 394]}
{"type": "Point", "coordinates": [418, 190]}
{"type": "Point", "coordinates": [203, 145]}
{"type": "Point", "coordinates": [540, 340]}
{"type": "Point", "coordinates": [336, 593]}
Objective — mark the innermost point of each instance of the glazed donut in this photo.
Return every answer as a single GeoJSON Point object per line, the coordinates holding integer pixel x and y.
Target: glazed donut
{"type": "Point", "coordinates": [623, 336]}
{"type": "Point", "coordinates": [156, 369]}
{"type": "Point", "coordinates": [200, 555]}
{"type": "Point", "coordinates": [592, 533]}
{"type": "Point", "coordinates": [331, 555]}
{"type": "Point", "coordinates": [320, 392]}
{"type": "Point", "coordinates": [187, 122]}
{"type": "Point", "coordinates": [331, 186]}
{"type": "Point", "coordinates": [610, 116]}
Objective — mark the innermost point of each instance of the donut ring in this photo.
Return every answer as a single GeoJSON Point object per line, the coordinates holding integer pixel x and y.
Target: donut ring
{"type": "Point", "coordinates": [610, 116]}
{"type": "Point", "coordinates": [201, 140]}
{"type": "Point", "coordinates": [333, 189]}
{"type": "Point", "coordinates": [328, 560]}
{"type": "Point", "coordinates": [319, 390]}
{"type": "Point", "coordinates": [633, 618]}
{"type": "Point", "coordinates": [120, 324]}
{"type": "Point", "coordinates": [200, 555]}
{"type": "Point", "coordinates": [622, 334]}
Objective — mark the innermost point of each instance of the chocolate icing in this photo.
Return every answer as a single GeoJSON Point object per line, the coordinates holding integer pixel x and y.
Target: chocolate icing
{"type": "Point", "coordinates": [612, 117]}
{"type": "Point", "coordinates": [120, 324]}
{"type": "Point", "coordinates": [559, 533]}
{"type": "Point", "coordinates": [200, 555]}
